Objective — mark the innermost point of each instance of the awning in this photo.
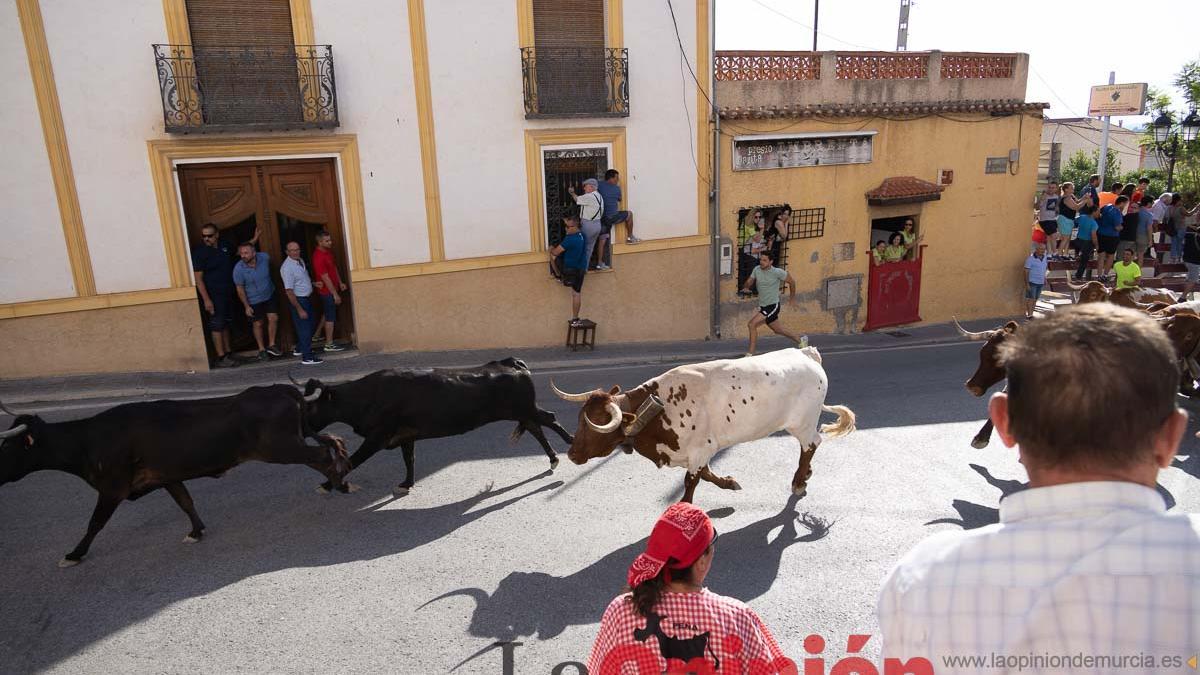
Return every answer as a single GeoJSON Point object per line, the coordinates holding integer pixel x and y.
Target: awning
{"type": "Point", "coordinates": [904, 190]}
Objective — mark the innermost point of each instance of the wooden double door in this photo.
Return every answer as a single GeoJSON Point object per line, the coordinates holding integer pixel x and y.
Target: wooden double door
{"type": "Point", "coordinates": [291, 200]}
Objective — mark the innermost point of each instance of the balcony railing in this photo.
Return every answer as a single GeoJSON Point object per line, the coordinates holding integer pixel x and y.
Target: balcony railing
{"type": "Point", "coordinates": [236, 88]}
{"type": "Point", "coordinates": [575, 82]}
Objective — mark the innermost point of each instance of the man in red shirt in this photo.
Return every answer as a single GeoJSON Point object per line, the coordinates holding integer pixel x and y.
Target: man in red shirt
{"type": "Point", "coordinates": [330, 287]}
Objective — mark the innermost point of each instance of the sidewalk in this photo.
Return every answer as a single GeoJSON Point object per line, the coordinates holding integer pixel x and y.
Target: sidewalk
{"type": "Point", "coordinates": [353, 364]}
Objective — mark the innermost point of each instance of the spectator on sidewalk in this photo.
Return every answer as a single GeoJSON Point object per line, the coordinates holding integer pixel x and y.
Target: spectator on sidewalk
{"type": "Point", "coordinates": [591, 209]}
{"type": "Point", "coordinates": [1111, 219]}
{"type": "Point", "coordinates": [1092, 190]}
{"type": "Point", "coordinates": [1191, 260]}
{"type": "Point", "coordinates": [1129, 228]}
{"type": "Point", "coordinates": [1085, 239]}
{"type": "Point", "coordinates": [1047, 206]}
{"type": "Point", "coordinates": [767, 279]}
{"type": "Point", "coordinates": [1129, 274]}
{"type": "Point", "coordinates": [610, 190]}
{"type": "Point", "coordinates": [1086, 560]}
{"type": "Point", "coordinates": [329, 288]}
{"type": "Point", "coordinates": [298, 287]}
{"type": "Point", "coordinates": [1145, 228]}
{"type": "Point", "coordinates": [573, 249]}
{"type": "Point", "coordinates": [1143, 184]}
{"type": "Point", "coordinates": [212, 265]}
{"type": "Point", "coordinates": [666, 599]}
{"type": "Point", "coordinates": [1174, 225]}
{"type": "Point", "coordinates": [252, 278]}
{"type": "Point", "coordinates": [1035, 278]}
{"type": "Point", "coordinates": [1110, 197]}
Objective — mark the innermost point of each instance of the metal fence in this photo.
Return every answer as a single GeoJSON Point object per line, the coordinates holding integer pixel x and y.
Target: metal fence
{"type": "Point", "coordinates": [801, 224]}
{"type": "Point", "coordinates": [575, 81]}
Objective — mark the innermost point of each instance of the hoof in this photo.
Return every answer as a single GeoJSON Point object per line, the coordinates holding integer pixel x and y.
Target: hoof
{"type": "Point", "coordinates": [733, 485]}
{"type": "Point", "coordinates": [322, 490]}
{"type": "Point", "coordinates": [400, 491]}
{"type": "Point", "coordinates": [800, 491]}
{"type": "Point", "coordinates": [349, 488]}
{"type": "Point", "coordinates": [554, 463]}
{"type": "Point", "coordinates": [191, 540]}
{"type": "Point", "coordinates": [67, 562]}
{"type": "Point", "coordinates": [979, 444]}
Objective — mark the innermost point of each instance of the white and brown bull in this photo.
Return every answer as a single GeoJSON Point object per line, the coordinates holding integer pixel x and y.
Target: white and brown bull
{"type": "Point", "coordinates": [688, 414]}
{"type": "Point", "coordinates": [1133, 298]}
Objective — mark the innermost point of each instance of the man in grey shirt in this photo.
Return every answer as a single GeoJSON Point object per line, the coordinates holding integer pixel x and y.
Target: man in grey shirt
{"type": "Point", "coordinates": [298, 286]}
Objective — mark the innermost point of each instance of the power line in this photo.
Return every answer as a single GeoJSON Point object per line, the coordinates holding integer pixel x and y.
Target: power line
{"type": "Point", "coordinates": [683, 80]}
{"type": "Point", "coordinates": [823, 33]}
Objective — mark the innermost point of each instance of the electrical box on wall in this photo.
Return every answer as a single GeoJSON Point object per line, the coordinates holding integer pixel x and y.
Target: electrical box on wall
{"type": "Point", "coordinates": [726, 257]}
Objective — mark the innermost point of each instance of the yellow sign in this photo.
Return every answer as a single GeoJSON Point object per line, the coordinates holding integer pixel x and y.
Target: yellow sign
{"type": "Point", "coordinates": [1192, 663]}
{"type": "Point", "coordinates": [1117, 100]}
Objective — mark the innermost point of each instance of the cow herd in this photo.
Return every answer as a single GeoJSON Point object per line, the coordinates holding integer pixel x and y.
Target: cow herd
{"type": "Point", "coordinates": [681, 418]}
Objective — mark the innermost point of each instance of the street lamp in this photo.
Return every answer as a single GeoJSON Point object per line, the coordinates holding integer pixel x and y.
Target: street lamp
{"type": "Point", "coordinates": [1167, 137]}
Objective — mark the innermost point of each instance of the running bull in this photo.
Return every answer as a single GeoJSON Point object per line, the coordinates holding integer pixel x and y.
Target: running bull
{"type": "Point", "coordinates": [131, 450]}
{"type": "Point", "coordinates": [686, 415]}
{"type": "Point", "coordinates": [390, 408]}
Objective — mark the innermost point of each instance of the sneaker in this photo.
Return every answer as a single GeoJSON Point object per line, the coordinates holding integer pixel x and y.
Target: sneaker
{"type": "Point", "coordinates": [273, 351]}
{"type": "Point", "coordinates": [311, 361]}
{"type": "Point", "coordinates": [632, 240]}
{"type": "Point", "coordinates": [803, 342]}
{"type": "Point", "coordinates": [225, 362]}
{"type": "Point", "coordinates": [334, 347]}
{"type": "Point", "coordinates": [296, 352]}
{"type": "Point", "coordinates": [574, 322]}
{"type": "Point", "coordinates": [262, 356]}
{"type": "Point", "coordinates": [601, 267]}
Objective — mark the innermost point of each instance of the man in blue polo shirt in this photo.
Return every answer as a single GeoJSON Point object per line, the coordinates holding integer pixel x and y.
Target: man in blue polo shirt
{"type": "Point", "coordinates": [252, 278]}
{"type": "Point", "coordinates": [1112, 219]}
{"type": "Point", "coordinates": [573, 249]}
{"type": "Point", "coordinates": [610, 189]}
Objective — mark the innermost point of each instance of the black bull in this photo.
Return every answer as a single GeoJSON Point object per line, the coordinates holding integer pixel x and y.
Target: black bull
{"type": "Point", "coordinates": [133, 449]}
{"type": "Point", "coordinates": [391, 408]}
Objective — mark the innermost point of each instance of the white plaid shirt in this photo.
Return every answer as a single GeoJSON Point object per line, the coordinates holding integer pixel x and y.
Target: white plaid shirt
{"type": "Point", "coordinates": [685, 616]}
{"type": "Point", "coordinates": [1092, 569]}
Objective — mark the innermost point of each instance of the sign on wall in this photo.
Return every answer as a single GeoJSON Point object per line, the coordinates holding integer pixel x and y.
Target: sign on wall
{"type": "Point", "coordinates": [751, 153]}
{"type": "Point", "coordinates": [1117, 99]}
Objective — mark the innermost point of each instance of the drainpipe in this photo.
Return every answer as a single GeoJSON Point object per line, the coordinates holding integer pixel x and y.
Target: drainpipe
{"type": "Point", "coordinates": [714, 195]}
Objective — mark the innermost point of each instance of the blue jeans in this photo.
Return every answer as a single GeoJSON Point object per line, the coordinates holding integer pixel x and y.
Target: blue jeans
{"type": "Point", "coordinates": [1177, 246]}
{"type": "Point", "coordinates": [304, 327]}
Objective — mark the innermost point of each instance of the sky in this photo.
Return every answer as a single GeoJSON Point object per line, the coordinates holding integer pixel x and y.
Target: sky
{"type": "Point", "coordinates": [1065, 62]}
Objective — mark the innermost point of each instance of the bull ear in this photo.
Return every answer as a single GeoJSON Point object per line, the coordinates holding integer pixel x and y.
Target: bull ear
{"type": "Point", "coordinates": [615, 390]}
{"type": "Point", "coordinates": [1011, 327]}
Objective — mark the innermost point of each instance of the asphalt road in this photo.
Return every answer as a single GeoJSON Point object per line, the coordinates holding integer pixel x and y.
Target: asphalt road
{"type": "Point", "coordinates": [489, 546]}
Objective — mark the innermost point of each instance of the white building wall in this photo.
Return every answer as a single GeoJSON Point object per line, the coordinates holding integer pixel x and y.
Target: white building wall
{"type": "Point", "coordinates": [108, 88]}
{"type": "Point", "coordinates": [1086, 135]}
{"type": "Point", "coordinates": [374, 70]}
{"type": "Point", "coordinates": [478, 110]}
{"type": "Point", "coordinates": [33, 260]}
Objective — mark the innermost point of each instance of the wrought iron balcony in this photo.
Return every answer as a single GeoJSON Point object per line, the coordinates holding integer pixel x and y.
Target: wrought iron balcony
{"type": "Point", "coordinates": [575, 82]}
{"type": "Point", "coordinates": [238, 88]}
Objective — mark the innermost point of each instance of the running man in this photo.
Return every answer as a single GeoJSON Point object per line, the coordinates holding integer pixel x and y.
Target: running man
{"type": "Point", "coordinates": [768, 278]}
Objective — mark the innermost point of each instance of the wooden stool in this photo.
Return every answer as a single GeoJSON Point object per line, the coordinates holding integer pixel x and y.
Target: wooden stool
{"type": "Point", "coordinates": [582, 334]}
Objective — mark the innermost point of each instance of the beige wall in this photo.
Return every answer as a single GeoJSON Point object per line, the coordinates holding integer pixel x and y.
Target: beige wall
{"type": "Point", "coordinates": [657, 295]}
{"type": "Point", "coordinates": [159, 337]}
{"type": "Point", "coordinates": [977, 234]}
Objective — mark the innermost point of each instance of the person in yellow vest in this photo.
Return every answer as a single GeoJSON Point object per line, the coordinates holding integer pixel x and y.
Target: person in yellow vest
{"type": "Point", "coordinates": [1128, 273]}
{"type": "Point", "coordinates": [896, 248]}
{"type": "Point", "coordinates": [911, 238]}
{"type": "Point", "coordinates": [879, 253]}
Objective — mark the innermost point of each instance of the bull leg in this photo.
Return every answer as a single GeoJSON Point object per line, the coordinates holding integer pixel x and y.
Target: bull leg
{"type": "Point", "coordinates": [536, 431]}
{"type": "Point", "coordinates": [723, 482]}
{"type": "Point", "coordinates": [984, 436]}
{"type": "Point", "coordinates": [105, 505]}
{"type": "Point", "coordinates": [365, 450]}
{"type": "Point", "coordinates": [184, 499]}
{"type": "Point", "coordinates": [804, 471]}
{"type": "Point", "coordinates": [690, 481]}
{"type": "Point", "coordinates": [547, 419]}
{"type": "Point", "coordinates": [408, 449]}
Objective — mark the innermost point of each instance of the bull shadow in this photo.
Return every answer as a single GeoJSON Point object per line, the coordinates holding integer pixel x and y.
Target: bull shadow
{"type": "Point", "coordinates": [133, 572]}
{"type": "Point", "coordinates": [527, 604]}
{"type": "Point", "coordinates": [972, 515]}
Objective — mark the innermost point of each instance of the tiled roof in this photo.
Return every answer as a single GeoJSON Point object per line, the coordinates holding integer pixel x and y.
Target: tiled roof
{"type": "Point", "coordinates": [880, 109]}
{"type": "Point", "coordinates": [907, 188]}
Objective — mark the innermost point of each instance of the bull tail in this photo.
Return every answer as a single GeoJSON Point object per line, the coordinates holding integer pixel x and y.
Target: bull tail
{"type": "Point", "coordinates": [844, 424]}
{"type": "Point", "coordinates": [516, 433]}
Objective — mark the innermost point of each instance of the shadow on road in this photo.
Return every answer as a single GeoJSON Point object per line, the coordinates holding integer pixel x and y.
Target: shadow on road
{"type": "Point", "coordinates": [537, 603]}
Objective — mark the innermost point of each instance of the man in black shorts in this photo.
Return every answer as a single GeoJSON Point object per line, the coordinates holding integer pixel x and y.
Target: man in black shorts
{"type": "Point", "coordinates": [1112, 220]}
{"type": "Point", "coordinates": [212, 264]}
{"type": "Point", "coordinates": [767, 278]}
{"type": "Point", "coordinates": [573, 249]}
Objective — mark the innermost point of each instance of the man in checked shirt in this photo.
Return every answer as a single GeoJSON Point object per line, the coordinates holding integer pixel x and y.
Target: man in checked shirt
{"type": "Point", "coordinates": [1085, 563]}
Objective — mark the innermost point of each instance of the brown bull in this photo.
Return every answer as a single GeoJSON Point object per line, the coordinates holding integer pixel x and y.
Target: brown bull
{"type": "Point", "coordinates": [990, 370]}
{"type": "Point", "coordinates": [1133, 298]}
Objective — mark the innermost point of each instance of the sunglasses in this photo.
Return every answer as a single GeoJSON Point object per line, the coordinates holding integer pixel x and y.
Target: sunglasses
{"type": "Point", "coordinates": [208, 236]}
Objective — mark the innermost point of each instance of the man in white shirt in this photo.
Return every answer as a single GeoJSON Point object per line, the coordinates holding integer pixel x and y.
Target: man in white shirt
{"type": "Point", "coordinates": [298, 287]}
{"type": "Point", "coordinates": [591, 209]}
{"type": "Point", "coordinates": [1085, 571]}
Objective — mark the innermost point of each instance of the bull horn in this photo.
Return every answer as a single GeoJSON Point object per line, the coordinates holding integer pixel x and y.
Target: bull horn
{"type": "Point", "coordinates": [479, 595]}
{"type": "Point", "coordinates": [5, 409]}
{"type": "Point", "coordinates": [1073, 286]}
{"type": "Point", "coordinates": [298, 384]}
{"type": "Point", "coordinates": [968, 334]}
{"type": "Point", "coordinates": [15, 431]}
{"type": "Point", "coordinates": [615, 411]}
{"type": "Point", "coordinates": [574, 398]}
{"type": "Point", "coordinates": [313, 396]}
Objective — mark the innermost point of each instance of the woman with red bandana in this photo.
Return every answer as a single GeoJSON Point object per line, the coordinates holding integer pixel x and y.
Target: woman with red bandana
{"type": "Point", "coordinates": [668, 622]}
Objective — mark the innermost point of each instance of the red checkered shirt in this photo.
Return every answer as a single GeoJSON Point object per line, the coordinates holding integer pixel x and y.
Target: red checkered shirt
{"type": "Point", "coordinates": [736, 640]}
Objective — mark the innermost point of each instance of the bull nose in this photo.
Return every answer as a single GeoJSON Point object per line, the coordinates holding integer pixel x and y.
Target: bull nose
{"type": "Point", "coordinates": [975, 390]}
{"type": "Point", "coordinates": [576, 459]}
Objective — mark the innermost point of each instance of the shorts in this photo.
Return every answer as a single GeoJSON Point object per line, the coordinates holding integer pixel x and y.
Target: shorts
{"type": "Point", "coordinates": [1193, 270]}
{"type": "Point", "coordinates": [573, 277]}
{"type": "Point", "coordinates": [262, 309]}
{"type": "Point", "coordinates": [1050, 227]}
{"type": "Point", "coordinates": [222, 316]}
{"type": "Point", "coordinates": [771, 312]}
{"type": "Point", "coordinates": [1126, 245]}
{"type": "Point", "coordinates": [330, 308]}
{"type": "Point", "coordinates": [1033, 291]}
{"type": "Point", "coordinates": [1108, 244]}
{"type": "Point", "coordinates": [1143, 243]}
{"type": "Point", "coordinates": [1065, 226]}
{"type": "Point", "coordinates": [618, 217]}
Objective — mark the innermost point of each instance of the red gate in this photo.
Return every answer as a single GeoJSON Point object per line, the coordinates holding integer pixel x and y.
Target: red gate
{"type": "Point", "coordinates": [894, 294]}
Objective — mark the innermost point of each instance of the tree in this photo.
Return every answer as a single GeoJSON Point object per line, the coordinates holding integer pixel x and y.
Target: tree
{"type": "Point", "coordinates": [1080, 166]}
